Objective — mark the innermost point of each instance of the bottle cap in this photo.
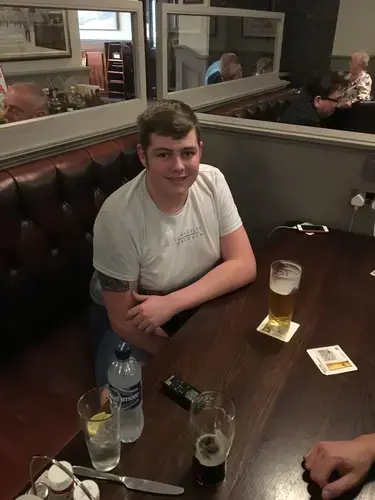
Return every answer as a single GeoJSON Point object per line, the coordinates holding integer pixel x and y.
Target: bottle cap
{"type": "Point", "coordinates": [93, 488]}
{"type": "Point", "coordinates": [123, 352]}
{"type": "Point", "coordinates": [42, 491]}
{"type": "Point", "coordinates": [58, 479]}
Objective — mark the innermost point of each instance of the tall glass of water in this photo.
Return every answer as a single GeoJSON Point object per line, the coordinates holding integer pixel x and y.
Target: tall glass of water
{"type": "Point", "coordinates": [100, 420]}
{"type": "Point", "coordinates": [212, 424]}
{"type": "Point", "coordinates": [285, 278]}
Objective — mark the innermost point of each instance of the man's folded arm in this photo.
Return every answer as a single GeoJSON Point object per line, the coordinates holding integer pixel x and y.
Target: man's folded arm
{"type": "Point", "coordinates": [118, 300]}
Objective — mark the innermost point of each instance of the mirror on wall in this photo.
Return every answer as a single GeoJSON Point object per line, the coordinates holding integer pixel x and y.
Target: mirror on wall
{"type": "Point", "coordinates": [56, 61]}
{"type": "Point", "coordinates": [206, 50]}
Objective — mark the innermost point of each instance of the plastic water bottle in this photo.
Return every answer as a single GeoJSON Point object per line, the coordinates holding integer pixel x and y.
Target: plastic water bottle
{"type": "Point", "coordinates": [125, 376]}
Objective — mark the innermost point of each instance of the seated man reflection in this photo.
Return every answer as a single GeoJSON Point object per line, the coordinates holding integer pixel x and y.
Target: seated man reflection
{"type": "Point", "coordinates": [318, 100]}
{"type": "Point", "coordinates": [228, 68]}
{"type": "Point", "coordinates": [24, 101]}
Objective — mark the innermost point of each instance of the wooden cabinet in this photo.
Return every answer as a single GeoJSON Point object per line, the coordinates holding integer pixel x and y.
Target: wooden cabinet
{"type": "Point", "coordinates": [309, 33]}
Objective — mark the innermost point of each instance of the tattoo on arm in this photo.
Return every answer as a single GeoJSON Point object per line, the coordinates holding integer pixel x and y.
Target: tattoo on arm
{"type": "Point", "coordinates": [109, 284]}
{"type": "Point", "coordinates": [144, 291]}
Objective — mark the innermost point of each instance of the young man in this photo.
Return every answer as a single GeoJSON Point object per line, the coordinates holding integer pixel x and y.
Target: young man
{"type": "Point", "coordinates": [351, 459]}
{"type": "Point", "coordinates": [167, 241]}
{"type": "Point", "coordinates": [319, 99]}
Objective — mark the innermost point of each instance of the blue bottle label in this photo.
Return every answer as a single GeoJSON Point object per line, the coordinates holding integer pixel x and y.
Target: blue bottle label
{"type": "Point", "coordinates": [131, 397]}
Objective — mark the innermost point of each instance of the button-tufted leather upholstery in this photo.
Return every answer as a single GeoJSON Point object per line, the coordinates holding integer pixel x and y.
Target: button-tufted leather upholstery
{"type": "Point", "coordinates": [47, 211]}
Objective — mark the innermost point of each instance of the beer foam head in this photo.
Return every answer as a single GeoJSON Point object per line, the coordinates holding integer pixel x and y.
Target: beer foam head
{"type": "Point", "coordinates": [211, 449]}
{"type": "Point", "coordinates": [283, 287]}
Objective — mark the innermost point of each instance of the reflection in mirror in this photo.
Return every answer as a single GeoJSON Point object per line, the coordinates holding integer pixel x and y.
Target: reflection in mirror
{"type": "Point", "coordinates": [54, 61]}
{"type": "Point", "coordinates": [204, 50]}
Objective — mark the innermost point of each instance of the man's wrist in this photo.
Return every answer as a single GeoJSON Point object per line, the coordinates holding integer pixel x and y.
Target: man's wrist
{"type": "Point", "coordinates": [176, 302]}
{"type": "Point", "coordinates": [369, 441]}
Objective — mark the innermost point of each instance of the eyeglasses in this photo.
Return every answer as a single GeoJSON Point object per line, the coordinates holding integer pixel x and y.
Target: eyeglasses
{"type": "Point", "coordinates": [337, 101]}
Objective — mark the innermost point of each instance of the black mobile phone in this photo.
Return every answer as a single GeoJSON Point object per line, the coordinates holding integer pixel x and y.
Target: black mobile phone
{"type": "Point", "coordinates": [179, 391]}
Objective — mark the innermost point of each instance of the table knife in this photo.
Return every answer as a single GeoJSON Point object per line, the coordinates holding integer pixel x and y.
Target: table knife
{"type": "Point", "coordinates": [131, 483]}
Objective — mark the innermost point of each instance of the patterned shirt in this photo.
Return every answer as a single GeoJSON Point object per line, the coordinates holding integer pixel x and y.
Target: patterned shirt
{"type": "Point", "coordinates": [360, 88]}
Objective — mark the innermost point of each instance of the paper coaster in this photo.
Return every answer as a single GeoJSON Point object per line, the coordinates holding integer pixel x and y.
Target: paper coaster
{"type": "Point", "coordinates": [331, 360]}
{"type": "Point", "coordinates": [284, 337]}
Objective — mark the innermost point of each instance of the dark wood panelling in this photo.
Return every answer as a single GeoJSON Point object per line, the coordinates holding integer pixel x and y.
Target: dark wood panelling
{"type": "Point", "coordinates": [309, 33]}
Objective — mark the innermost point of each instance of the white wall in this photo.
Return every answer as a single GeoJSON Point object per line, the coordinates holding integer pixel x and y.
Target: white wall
{"type": "Point", "coordinates": [124, 33]}
{"type": "Point", "coordinates": [282, 179]}
{"type": "Point", "coordinates": [355, 29]}
{"type": "Point", "coordinates": [193, 31]}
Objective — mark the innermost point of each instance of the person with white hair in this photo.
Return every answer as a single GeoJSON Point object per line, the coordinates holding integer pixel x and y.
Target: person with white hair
{"type": "Point", "coordinates": [264, 65]}
{"type": "Point", "coordinates": [24, 101]}
{"type": "Point", "coordinates": [359, 81]}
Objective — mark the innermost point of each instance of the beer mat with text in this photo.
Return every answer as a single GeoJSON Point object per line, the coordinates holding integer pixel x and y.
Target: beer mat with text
{"type": "Point", "coordinates": [331, 360]}
{"type": "Point", "coordinates": [267, 329]}
{"type": "Point", "coordinates": [373, 273]}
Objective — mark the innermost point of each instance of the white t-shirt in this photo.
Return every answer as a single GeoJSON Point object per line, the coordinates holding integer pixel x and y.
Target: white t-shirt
{"type": "Point", "coordinates": [135, 241]}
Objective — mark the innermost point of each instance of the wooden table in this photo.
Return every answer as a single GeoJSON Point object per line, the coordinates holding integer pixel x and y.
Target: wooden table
{"type": "Point", "coordinates": [283, 403]}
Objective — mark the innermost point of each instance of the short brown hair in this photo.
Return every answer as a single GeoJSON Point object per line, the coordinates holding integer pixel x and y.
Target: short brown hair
{"type": "Point", "coordinates": [167, 117]}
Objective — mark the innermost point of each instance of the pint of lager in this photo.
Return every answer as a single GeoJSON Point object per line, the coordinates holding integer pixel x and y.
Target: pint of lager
{"type": "Point", "coordinates": [212, 425]}
{"type": "Point", "coordinates": [285, 278]}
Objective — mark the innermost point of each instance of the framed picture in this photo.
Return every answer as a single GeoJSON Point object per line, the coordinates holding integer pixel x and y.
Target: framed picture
{"type": "Point", "coordinates": [97, 20]}
{"type": "Point", "coordinates": [258, 27]}
{"type": "Point", "coordinates": [32, 33]}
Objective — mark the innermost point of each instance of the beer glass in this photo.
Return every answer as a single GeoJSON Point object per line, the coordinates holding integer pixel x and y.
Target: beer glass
{"type": "Point", "coordinates": [99, 412]}
{"type": "Point", "coordinates": [212, 425]}
{"type": "Point", "coordinates": [285, 278]}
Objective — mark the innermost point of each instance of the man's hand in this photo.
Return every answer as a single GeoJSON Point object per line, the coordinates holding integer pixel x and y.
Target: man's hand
{"type": "Point", "coordinates": [151, 312]}
{"type": "Point", "coordinates": [345, 104]}
{"type": "Point", "coordinates": [351, 459]}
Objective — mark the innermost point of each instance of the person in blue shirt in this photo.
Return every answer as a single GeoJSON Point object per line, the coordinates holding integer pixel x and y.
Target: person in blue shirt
{"type": "Point", "coordinates": [226, 69]}
{"type": "Point", "coordinates": [213, 70]}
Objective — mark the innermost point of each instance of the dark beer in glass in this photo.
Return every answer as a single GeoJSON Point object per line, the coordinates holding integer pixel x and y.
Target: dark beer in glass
{"type": "Point", "coordinates": [212, 423]}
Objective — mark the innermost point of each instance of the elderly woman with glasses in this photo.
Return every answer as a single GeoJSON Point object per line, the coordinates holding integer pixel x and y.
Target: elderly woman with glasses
{"type": "Point", "coordinates": [359, 81]}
